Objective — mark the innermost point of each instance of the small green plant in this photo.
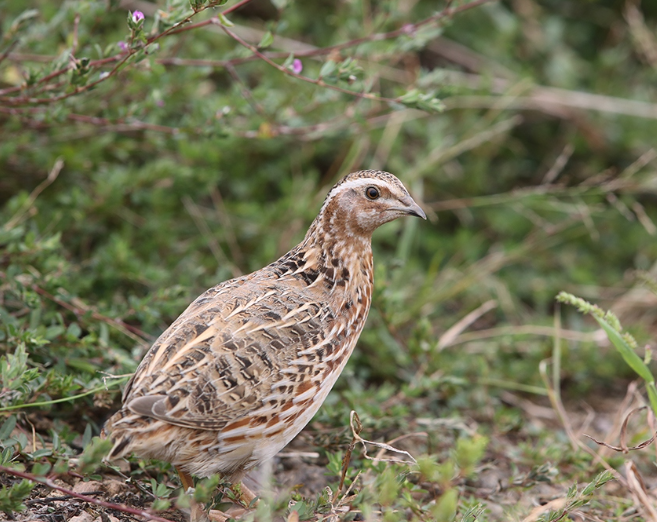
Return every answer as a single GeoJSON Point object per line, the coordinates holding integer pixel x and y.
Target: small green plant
{"type": "Point", "coordinates": [622, 341]}
{"type": "Point", "coordinates": [577, 499]}
{"type": "Point", "coordinates": [161, 492]}
{"type": "Point", "coordinates": [93, 454]}
{"type": "Point", "coordinates": [11, 498]}
{"type": "Point", "coordinates": [18, 380]}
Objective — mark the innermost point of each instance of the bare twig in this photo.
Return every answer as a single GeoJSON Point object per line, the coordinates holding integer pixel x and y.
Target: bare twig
{"type": "Point", "coordinates": [121, 58]}
{"type": "Point", "coordinates": [131, 331]}
{"type": "Point", "coordinates": [575, 442]}
{"type": "Point", "coordinates": [319, 82]}
{"type": "Point", "coordinates": [624, 448]}
{"type": "Point", "coordinates": [52, 176]}
{"type": "Point", "coordinates": [450, 336]}
{"type": "Point", "coordinates": [8, 50]}
{"type": "Point", "coordinates": [555, 400]}
{"type": "Point", "coordinates": [377, 37]}
{"type": "Point", "coordinates": [643, 37]}
{"type": "Point", "coordinates": [539, 330]}
{"type": "Point", "coordinates": [639, 492]}
{"type": "Point", "coordinates": [205, 231]}
{"type": "Point", "coordinates": [558, 165]}
{"type": "Point", "coordinates": [246, 93]}
{"type": "Point", "coordinates": [76, 25]}
{"type": "Point", "coordinates": [356, 428]}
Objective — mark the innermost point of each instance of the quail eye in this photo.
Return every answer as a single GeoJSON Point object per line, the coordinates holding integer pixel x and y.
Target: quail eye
{"type": "Point", "coordinates": [372, 192]}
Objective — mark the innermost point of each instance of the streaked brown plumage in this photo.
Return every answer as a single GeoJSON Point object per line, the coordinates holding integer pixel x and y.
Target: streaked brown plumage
{"type": "Point", "coordinates": [251, 360]}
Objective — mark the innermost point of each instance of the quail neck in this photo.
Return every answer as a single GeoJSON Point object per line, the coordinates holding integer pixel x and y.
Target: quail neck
{"type": "Point", "coordinates": [340, 236]}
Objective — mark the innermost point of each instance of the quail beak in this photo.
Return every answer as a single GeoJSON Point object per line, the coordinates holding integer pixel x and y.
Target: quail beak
{"type": "Point", "coordinates": [415, 210]}
{"type": "Point", "coordinates": [411, 208]}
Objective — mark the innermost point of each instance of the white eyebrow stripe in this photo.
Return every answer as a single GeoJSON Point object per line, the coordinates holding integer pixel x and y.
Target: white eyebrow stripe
{"type": "Point", "coordinates": [358, 182]}
{"type": "Point", "coordinates": [351, 184]}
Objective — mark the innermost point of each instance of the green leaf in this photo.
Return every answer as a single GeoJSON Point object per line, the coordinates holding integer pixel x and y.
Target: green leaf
{"type": "Point", "coordinates": [93, 454]}
{"type": "Point", "coordinates": [288, 61]}
{"type": "Point", "coordinates": [652, 395]}
{"type": "Point", "coordinates": [224, 21]}
{"type": "Point", "coordinates": [628, 354]}
{"type": "Point", "coordinates": [43, 452]}
{"type": "Point", "coordinates": [328, 68]}
{"type": "Point", "coordinates": [86, 437]}
{"type": "Point", "coordinates": [423, 101]}
{"type": "Point", "coordinates": [7, 427]}
{"type": "Point", "coordinates": [161, 504]}
{"type": "Point", "coordinates": [41, 468]}
{"type": "Point", "coordinates": [267, 40]}
{"type": "Point", "coordinates": [445, 506]}
{"type": "Point", "coordinates": [22, 18]}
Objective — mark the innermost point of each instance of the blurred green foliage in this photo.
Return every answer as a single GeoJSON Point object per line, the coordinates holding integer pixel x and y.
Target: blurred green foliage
{"type": "Point", "coordinates": [143, 163]}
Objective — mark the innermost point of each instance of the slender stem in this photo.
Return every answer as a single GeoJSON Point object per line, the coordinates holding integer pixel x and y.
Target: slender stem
{"type": "Point", "coordinates": [51, 484]}
{"type": "Point", "coordinates": [210, 21]}
{"type": "Point", "coordinates": [131, 331]}
{"type": "Point", "coordinates": [178, 28]}
{"type": "Point", "coordinates": [285, 70]}
{"type": "Point", "coordinates": [64, 399]}
{"type": "Point", "coordinates": [126, 56]}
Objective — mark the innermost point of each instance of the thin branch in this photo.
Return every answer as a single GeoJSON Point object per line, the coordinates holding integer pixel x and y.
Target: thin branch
{"type": "Point", "coordinates": [246, 93]}
{"type": "Point", "coordinates": [104, 387]}
{"type": "Point", "coordinates": [319, 82]}
{"type": "Point", "coordinates": [131, 331]}
{"type": "Point", "coordinates": [624, 448]}
{"type": "Point", "coordinates": [76, 25]}
{"type": "Point", "coordinates": [405, 29]}
{"type": "Point", "coordinates": [177, 28]}
{"type": "Point", "coordinates": [210, 21]}
{"type": "Point", "coordinates": [124, 126]}
{"type": "Point", "coordinates": [126, 55]}
{"type": "Point", "coordinates": [109, 505]}
{"type": "Point", "coordinates": [7, 51]}
{"type": "Point", "coordinates": [377, 37]}
{"type": "Point", "coordinates": [52, 176]}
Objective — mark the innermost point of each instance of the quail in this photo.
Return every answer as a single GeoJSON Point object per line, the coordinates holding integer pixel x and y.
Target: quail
{"type": "Point", "coordinates": [247, 365]}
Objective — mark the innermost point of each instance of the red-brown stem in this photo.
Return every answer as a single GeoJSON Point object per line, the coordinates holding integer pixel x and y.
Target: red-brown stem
{"type": "Point", "coordinates": [55, 74]}
{"type": "Point", "coordinates": [49, 483]}
{"type": "Point", "coordinates": [79, 311]}
{"type": "Point", "coordinates": [285, 70]}
{"type": "Point", "coordinates": [132, 331]}
{"type": "Point", "coordinates": [175, 30]}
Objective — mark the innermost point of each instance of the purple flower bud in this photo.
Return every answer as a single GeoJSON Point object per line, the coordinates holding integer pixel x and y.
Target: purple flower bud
{"type": "Point", "coordinates": [137, 16]}
{"type": "Point", "coordinates": [123, 46]}
{"type": "Point", "coordinates": [408, 29]}
{"type": "Point", "coordinates": [297, 66]}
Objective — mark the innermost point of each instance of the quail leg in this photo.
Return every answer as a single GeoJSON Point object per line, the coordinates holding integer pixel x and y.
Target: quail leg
{"type": "Point", "coordinates": [197, 514]}
{"type": "Point", "coordinates": [245, 495]}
